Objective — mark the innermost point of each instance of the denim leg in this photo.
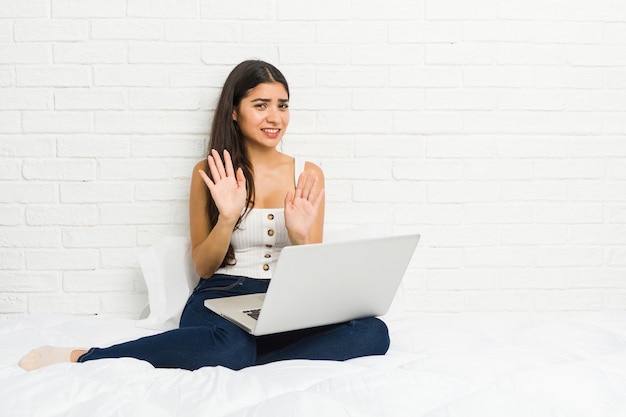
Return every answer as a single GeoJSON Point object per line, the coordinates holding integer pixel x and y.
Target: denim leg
{"type": "Point", "coordinates": [203, 339]}
{"type": "Point", "coordinates": [339, 342]}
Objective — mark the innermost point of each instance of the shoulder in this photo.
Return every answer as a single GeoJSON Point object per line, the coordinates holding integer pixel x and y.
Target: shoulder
{"type": "Point", "coordinates": [310, 166]}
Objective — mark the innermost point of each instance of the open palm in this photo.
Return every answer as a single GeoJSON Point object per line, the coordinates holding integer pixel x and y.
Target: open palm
{"type": "Point", "coordinates": [301, 207]}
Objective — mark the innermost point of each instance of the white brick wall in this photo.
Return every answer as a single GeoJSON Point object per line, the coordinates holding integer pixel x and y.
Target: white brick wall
{"type": "Point", "coordinates": [496, 128]}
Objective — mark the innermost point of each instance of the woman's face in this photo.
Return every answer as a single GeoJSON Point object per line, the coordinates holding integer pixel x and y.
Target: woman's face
{"type": "Point", "coordinates": [263, 115]}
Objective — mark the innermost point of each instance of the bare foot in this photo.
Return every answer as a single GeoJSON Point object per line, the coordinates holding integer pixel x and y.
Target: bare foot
{"type": "Point", "coordinates": [49, 355]}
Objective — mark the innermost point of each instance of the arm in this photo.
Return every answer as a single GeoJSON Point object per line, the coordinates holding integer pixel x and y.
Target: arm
{"type": "Point", "coordinates": [304, 208]}
{"type": "Point", "coordinates": [210, 244]}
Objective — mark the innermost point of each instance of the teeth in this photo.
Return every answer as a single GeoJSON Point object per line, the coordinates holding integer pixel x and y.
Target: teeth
{"type": "Point", "coordinates": [271, 130]}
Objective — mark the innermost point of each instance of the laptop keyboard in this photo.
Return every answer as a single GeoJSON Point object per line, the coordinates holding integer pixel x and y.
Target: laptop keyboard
{"type": "Point", "coordinates": [253, 313]}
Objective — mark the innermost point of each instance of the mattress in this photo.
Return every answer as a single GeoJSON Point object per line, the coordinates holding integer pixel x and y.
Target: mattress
{"type": "Point", "coordinates": [481, 365]}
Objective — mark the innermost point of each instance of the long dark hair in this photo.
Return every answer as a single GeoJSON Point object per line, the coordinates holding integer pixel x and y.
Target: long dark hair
{"type": "Point", "coordinates": [225, 132]}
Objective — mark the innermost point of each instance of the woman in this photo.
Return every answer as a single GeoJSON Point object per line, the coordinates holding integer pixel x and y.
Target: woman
{"type": "Point", "coordinates": [248, 200]}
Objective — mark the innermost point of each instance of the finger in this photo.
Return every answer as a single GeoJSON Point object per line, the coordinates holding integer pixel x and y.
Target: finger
{"type": "Point", "coordinates": [207, 180]}
{"type": "Point", "coordinates": [241, 179]}
{"type": "Point", "coordinates": [313, 190]}
{"type": "Point", "coordinates": [288, 199]}
{"type": "Point", "coordinates": [300, 185]}
{"type": "Point", "coordinates": [219, 165]}
{"type": "Point", "coordinates": [318, 200]}
{"type": "Point", "coordinates": [228, 162]}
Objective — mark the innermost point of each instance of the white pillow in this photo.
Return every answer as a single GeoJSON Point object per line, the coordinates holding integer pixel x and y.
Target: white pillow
{"type": "Point", "coordinates": [170, 278]}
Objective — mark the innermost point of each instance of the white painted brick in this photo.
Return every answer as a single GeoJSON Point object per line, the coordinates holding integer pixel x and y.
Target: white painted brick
{"type": "Point", "coordinates": [99, 237]}
{"type": "Point", "coordinates": [13, 304]}
{"type": "Point", "coordinates": [617, 169]}
{"type": "Point", "coordinates": [465, 192]}
{"type": "Point", "coordinates": [21, 282]}
{"type": "Point", "coordinates": [251, 31]}
{"type": "Point", "coordinates": [165, 100]}
{"type": "Point", "coordinates": [27, 146]}
{"type": "Point", "coordinates": [496, 30]}
{"type": "Point", "coordinates": [499, 301]}
{"type": "Point", "coordinates": [567, 32]}
{"type": "Point", "coordinates": [53, 76]}
{"type": "Point", "coordinates": [29, 237]}
{"type": "Point", "coordinates": [152, 122]}
{"type": "Point", "coordinates": [538, 234]}
{"type": "Point", "coordinates": [23, 54]}
{"type": "Point", "coordinates": [99, 281]}
{"type": "Point", "coordinates": [126, 29]}
{"type": "Point", "coordinates": [331, 99]}
{"type": "Point", "coordinates": [429, 170]}
{"type": "Point", "coordinates": [569, 256]}
{"type": "Point", "coordinates": [593, 191]}
{"type": "Point", "coordinates": [89, 99]}
{"type": "Point", "coordinates": [596, 55]}
{"type": "Point", "coordinates": [321, 54]}
{"type": "Point", "coordinates": [133, 169]}
{"type": "Point", "coordinates": [568, 300]}
{"type": "Point", "coordinates": [466, 146]}
{"type": "Point", "coordinates": [582, 168]}
{"type": "Point", "coordinates": [148, 235]}
{"type": "Point", "coordinates": [169, 147]}
{"type": "Point", "coordinates": [60, 169]}
{"type": "Point", "coordinates": [164, 53]}
{"type": "Point", "coordinates": [383, 191]}
{"type": "Point", "coordinates": [531, 10]}
{"type": "Point", "coordinates": [393, 9]}
{"type": "Point", "coordinates": [238, 9]}
{"type": "Point", "coordinates": [352, 33]}
{"type": "Point", "coordinates": [434, 301]}
{"type": "Point", "coordinates": [459, 54]}
{"type": "Point", "coordinates": [233, 53]}
{"type": "Point", "coordinates": [527, 146]}
{"type": "Point", "coordinates": [431, 76]}
{"type": "Point", "coordinates": [357, 214]}
{"type": "Point", "coordinates": [357, 169]}
{"type": "Point", "coordinates": [595, 277]}
{"type": "Point", "coordinates": [130, 76]}
{"type": "Point", "coordinates": [499, 257]}
{"type": "Point", "coordinates": [28, 192]}
{"type": "Point", "coordinates": [60, 259]}
{"type": "Point", "coordinates": [11, 259]}
{"type": "Point", "coordinates": [353, 122]}
{"type": "Point", "coordinates": [501, 169]}
{"type": "Point", "coordinates": [163, 8]}
{"type": "Point", "coordinates": [615, 78]}
{"type": "Point", "coordinates": [18, 8]}
{"type": "Point", "coordinates": [319, 10]}
{"type": "Point", "coordinates": [6, 77]}
{"type": "Point", "coordinates": [616, 257]}
{"type": "Point", "coordinates": [569, 213]}
{"type": "Point", "coordinates": [461, 10]}
{"type": "Point", "coordinates": [615, 300]}
{"type": "Point", "coordinates": [516, 76]}
{"type": "Point", "coordinates": [96, 192]}
{"type": "Point", "coordinates": [459, 99]}
{"type": "Point", "coordinates": [88, 8]}
{"type": "Point", "coordinates": [615, 33]}
{"type": "Point", "coordinates": [567, 77]}
{"type": "Point", "coordinates": [438, 258]}
{"type": "Point", "coordinates": [11, 215]}
{"type": "Point", "coordinates": [127, 305]}
{"type": "Point", "coordinates": [401, 54]}
{"type": "Point", "coordinates": [354, 77]}
{"type": "Point", "coordinates": [514, 99]}
{"type": "Point", "coordinates": [428, 214]}
{"type": "Point", "coordinates": [499, 213]}
{"type": "Point", "coordinates": [426, 122]}
{"type": "Point", "coordinates": [118, 259]}
{"type": "Point", "coordinates": [6, 31]}
{"type": "Point", "coordinates": [24, 100]}
{"type": "Point", "coordinates": [451, 280]}
{"type": "Point", "coordinates": [424, 32]}
{"type": "Point", "coordinates": [531, 54]}
{"type": "Point", "coordinates": [528, 278]}
{"type": "Point", "coordinates": [34, 30]}
{"type": "Point", "coordinates": [162, 191]}
{"type": "Point", "coordinates": [9, 122]}
{"type": "Point", "coordinates": [615, 213]}
{"type": "Point", "coordinates": [461, 236]}
{"type": "Point", "coordinates": [614, 123]}
{"type": "Point", "coordinates": [201, 30]}
{"type": "Point", "coordinates": [11, 169]}
{"type": "Point", "coordinates": [396, 146]}
{"type": "Point", "coordinates": [93, 146]}
{"type": "Point", "coordinates": [534, 191]}
{"type": "Point", "coordinates": [65, 214]}
{"type": "Point", "coordinates": [134, 214]}
{"type": "Point", "coordinates": [57, 122]}
{"type": "Point", "coordinates": [59, 303]}
{"type": "Point", "coordinates": [609, 234]}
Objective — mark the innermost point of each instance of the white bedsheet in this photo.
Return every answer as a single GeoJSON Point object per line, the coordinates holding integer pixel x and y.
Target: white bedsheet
{"type": "Point", "coordinates": [501, 365]}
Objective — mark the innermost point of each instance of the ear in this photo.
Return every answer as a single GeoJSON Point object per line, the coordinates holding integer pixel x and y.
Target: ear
{"type": "Point", "coordinates": [235, 114]}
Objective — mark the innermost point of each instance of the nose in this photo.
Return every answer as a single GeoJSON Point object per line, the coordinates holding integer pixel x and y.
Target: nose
{"type": "Point", "coordinates": [273, 115]}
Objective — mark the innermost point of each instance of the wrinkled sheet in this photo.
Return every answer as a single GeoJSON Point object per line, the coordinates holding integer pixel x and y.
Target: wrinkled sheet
{"type": "Point", "coordinates": [552, 365]}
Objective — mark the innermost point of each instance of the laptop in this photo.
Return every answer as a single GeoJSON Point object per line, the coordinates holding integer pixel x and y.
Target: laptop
{"type": "Point", "coordinates": [325, 283]}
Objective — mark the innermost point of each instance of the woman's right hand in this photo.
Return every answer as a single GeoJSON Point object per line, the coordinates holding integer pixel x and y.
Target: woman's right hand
{"type": "Point", "coordinates": [228, 188]}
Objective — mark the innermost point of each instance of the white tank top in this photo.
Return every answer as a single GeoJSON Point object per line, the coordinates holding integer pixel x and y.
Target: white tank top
{"type": "Point", "coordinates": [259, 239]}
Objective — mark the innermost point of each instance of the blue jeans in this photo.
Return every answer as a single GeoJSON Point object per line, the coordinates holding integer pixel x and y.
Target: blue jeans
{"type": "Point", "coordinates": [206, 339]}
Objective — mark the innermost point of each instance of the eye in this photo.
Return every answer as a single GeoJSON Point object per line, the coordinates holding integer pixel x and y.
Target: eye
{"type": "Point", "coordinates": [283, 106]}
{"type": "Point", "coordinates": [260, 106]}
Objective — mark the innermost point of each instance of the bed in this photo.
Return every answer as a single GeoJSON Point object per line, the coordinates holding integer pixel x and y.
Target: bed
{"type": "Point", "coordinates": [470, 364]}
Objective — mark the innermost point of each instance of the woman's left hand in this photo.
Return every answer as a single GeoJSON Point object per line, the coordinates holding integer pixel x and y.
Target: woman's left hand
{"type": "Point", "coordinates": [301, 207]}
